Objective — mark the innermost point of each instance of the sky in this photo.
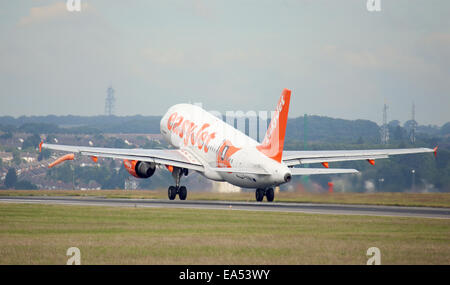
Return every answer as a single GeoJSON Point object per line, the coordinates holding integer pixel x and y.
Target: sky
{"type": "Point", "coordinates": [339, 59]}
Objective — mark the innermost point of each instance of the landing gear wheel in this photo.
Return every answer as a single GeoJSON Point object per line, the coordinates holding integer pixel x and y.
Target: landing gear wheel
{"type": "Point", "coordinates": [177, 173]}
{"type": "Point", "coordinates": [172, 192]}
{"type": "Point", "coordinates": [270, 195]}
{"type": "Point", "coordinates": [259, 194]}
{"type": "Point", "coordinates": [182, 193]}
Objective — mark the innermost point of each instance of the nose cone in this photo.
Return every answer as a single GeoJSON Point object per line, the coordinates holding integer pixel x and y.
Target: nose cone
{"type": "Point", "coordinates": [287, 177]}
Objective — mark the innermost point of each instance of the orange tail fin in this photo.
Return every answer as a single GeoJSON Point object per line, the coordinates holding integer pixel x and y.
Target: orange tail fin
{"type": "Point", "coordinates": [272, 145]}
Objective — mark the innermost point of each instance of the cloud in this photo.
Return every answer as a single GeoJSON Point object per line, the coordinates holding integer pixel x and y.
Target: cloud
{"type": "Point", "coordinates": [55, 11]}
{"type": "Point", "coordinates": [170, 56]}
{"type": "Point", "coordinates": [44, 13]}
{"type": "Point", "coordinates": [203, 10]}
{"type": "Point", "coordinates": [363, 59]}
{"type": "Point", "coordinates": [428, 54]}
{"type": "Point", "coordinates": [436, 49]}
{"type": "Point", "coordinates": [385, 58]}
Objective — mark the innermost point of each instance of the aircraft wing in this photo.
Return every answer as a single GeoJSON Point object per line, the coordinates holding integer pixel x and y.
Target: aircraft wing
{"type": "Point", "coordinates": [291, 158]}
{"type": "Point", "coordinates": [174, 157]}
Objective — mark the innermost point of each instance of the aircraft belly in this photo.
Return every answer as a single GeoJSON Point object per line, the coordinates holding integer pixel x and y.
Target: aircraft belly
{"type": "Point", "coordinates": [212, 176]}
{"type": "Point", "coordinates": [247, 180]}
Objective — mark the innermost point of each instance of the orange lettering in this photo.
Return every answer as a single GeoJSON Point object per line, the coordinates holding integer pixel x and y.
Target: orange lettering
{"type": "Point", "coordinates": [183, 127]}
{"type": "Point", "coordinates": [177, 124]}
{"type": "Point", "coordinates": [171, 120]}
{"type": "Point", "coordinates": [190, 132]}
{"type": "Point", "coordinates": [201, 141]}
{"type": "Point", "coordinates": [210, 137]}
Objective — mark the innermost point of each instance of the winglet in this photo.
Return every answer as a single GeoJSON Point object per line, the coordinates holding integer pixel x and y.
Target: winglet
{"type": "Point", "coordinates": [40, 145]}
{"type": "Point", "coordinates": [435, 151]}
{"type": "Point", "coordinates": [69, 156]}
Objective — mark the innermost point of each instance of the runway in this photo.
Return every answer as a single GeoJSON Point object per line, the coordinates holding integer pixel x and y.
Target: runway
{"type": "Point", "coordinates": [333, 209]}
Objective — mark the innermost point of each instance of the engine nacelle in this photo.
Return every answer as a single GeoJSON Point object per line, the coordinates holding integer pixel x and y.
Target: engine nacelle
{"type": "Point", "coordinates": [139, 169]}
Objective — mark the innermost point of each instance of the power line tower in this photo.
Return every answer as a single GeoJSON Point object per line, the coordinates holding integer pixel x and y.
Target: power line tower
{"type": "Point", "coordinates": [109, 101]}
{"type": "Point", "coordinates": [414, 124]}
{"type": "Point", "coordinates": [305, 178]}
{"type": "Point", "coordinates": [384, 127]}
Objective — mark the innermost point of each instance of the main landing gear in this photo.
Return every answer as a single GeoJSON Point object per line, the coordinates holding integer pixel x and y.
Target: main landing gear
{"type": "Point", "coordinates": [268, 192]}
{"type": "Point", "coordinates": [172, 192]}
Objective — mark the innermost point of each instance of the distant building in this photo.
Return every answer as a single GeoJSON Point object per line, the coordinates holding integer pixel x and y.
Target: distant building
{"type": "Point", "coordinates": [223, 187]}
{"type": "Point", "coordinates": [131, 184]}
{"type": "Point", "coordinates": [29, 159]}
{"type": "Point", "coordinates": [6, 156]}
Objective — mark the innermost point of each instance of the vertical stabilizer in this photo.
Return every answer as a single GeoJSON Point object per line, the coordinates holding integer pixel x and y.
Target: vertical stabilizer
{"type": "Point", "coordinates": [272, 145]}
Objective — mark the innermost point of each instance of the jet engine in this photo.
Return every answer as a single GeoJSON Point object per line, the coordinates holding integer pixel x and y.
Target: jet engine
{"type": "Point", "coordinates": [139, 169]}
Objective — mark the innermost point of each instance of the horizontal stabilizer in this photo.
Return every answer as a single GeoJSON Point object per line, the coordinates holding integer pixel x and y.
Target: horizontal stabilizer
{"type": "Point", "coordinates": [312, 171]}
{"type": "Point", "coordinates": [334, 159]}
{"type": "Point", "coordinates": [291, 158]}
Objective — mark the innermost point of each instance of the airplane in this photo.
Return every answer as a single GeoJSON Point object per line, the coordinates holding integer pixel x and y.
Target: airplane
{"type": "Point", "coordinates": [206, 144]}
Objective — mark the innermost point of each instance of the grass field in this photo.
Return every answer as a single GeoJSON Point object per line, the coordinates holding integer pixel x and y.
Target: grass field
{"type": "Point", "coordinates": [394, 199]}
{"type": "Point", "coordinates": [41, 234]}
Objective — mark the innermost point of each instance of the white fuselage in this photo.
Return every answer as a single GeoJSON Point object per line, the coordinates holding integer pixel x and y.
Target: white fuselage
{"type": "Point", "coordinates": [217, 144]}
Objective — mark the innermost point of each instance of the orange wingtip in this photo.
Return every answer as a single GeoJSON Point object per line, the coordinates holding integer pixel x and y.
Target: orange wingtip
{"type": "Point", "coordinates": [94, 158]}
{"type": "Point", "coordinates": [325, 164]}
{"type": "Point", "coordinates": [371, 161]}
{"type": "Point", "coordinates": [40, 146]}
{"type": "Point", "coordinates": [435, 151]}
{"type": "Point", "coordinates": [69, 156]}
